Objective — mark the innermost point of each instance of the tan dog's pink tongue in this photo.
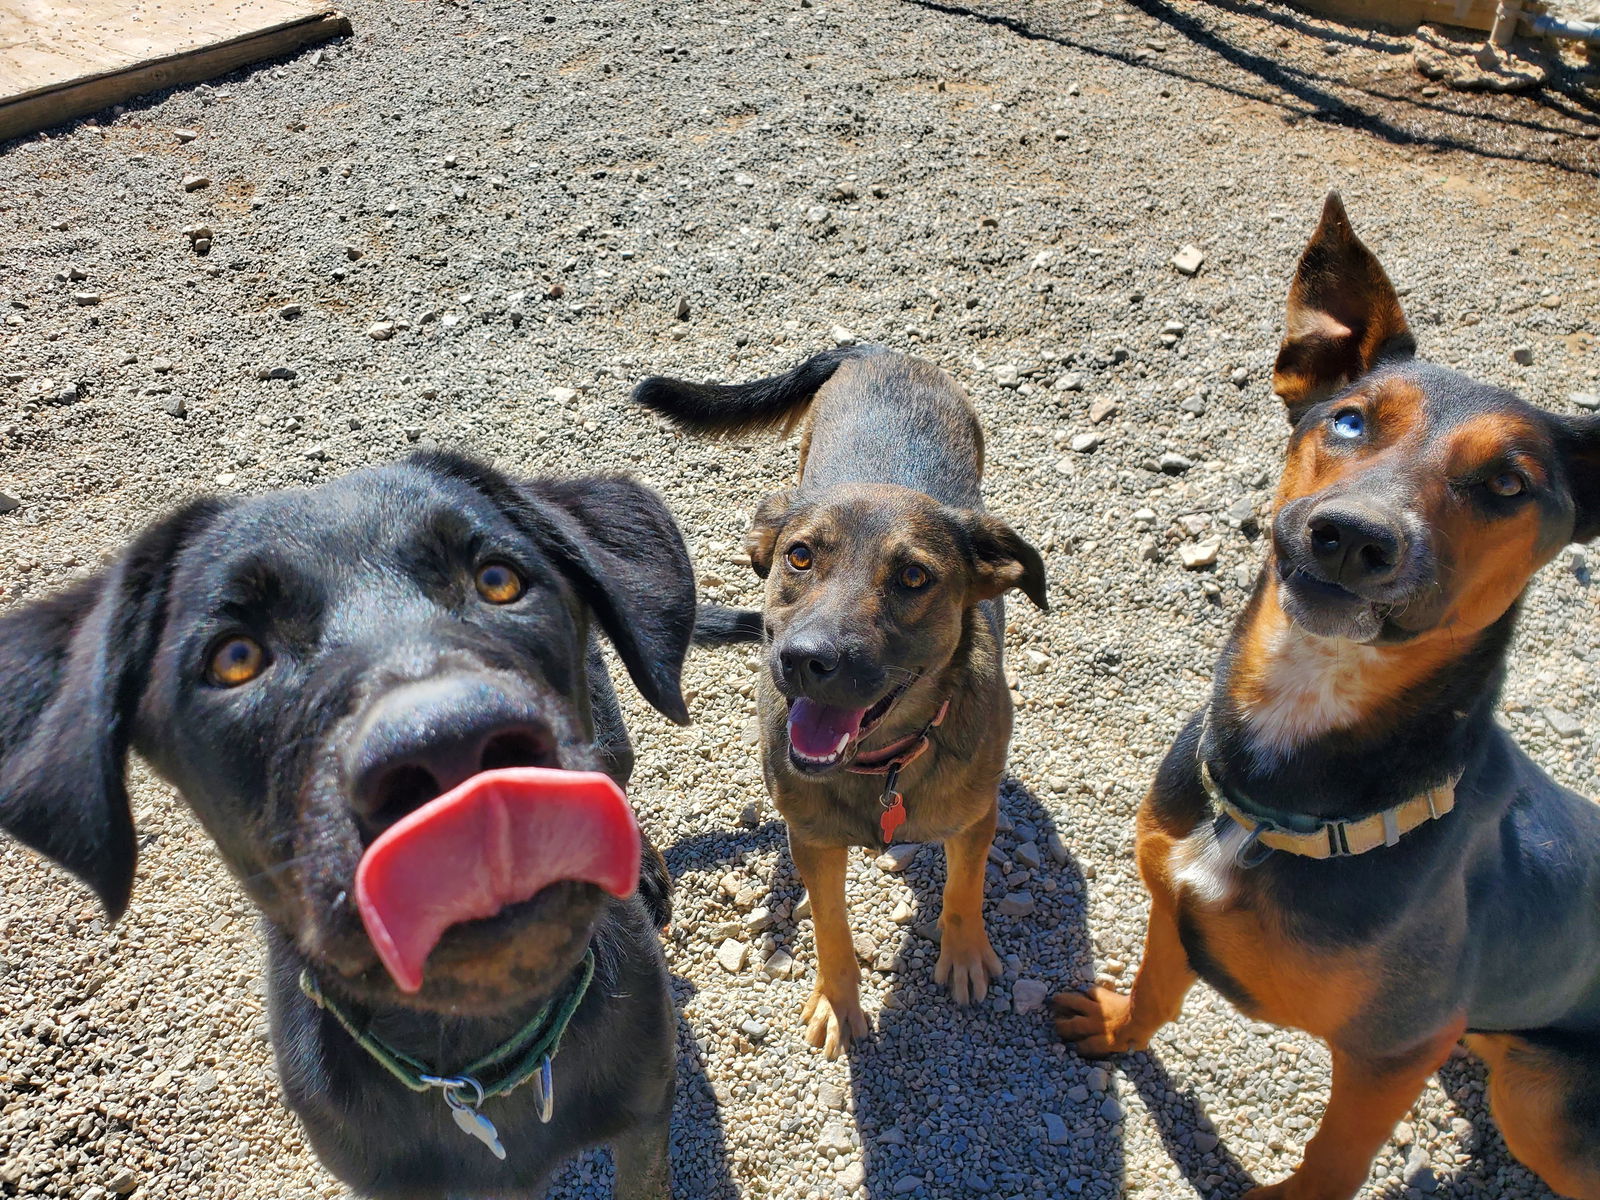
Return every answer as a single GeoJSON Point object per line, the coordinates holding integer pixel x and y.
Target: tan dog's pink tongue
{"type": "Point", "coordinates": [496, 840]}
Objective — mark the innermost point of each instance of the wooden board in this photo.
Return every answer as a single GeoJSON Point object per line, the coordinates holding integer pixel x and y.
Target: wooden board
{"type": "Point", "coordinates": [60, 59]}
{"type": "Point", "coordinates": [1466, 14]}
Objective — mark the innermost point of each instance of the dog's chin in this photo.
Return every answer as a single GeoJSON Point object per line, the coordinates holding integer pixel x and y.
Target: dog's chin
{"type": "Point", "coordinates": [1327, 610]}
{"type": "Point", "coordinates": [479, 968]}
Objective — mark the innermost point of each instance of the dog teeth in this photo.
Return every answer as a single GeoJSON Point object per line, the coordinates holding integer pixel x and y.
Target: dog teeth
{"type": "Point", "coordinates": [822, 759]}
{"type": "Point", "coordinates": [844, 740]}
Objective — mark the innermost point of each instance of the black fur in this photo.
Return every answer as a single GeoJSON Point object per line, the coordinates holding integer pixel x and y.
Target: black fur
{"type": "Point", "coordinates": [733, 408]}
{"type": "Point", "coordinates": [356, 588]}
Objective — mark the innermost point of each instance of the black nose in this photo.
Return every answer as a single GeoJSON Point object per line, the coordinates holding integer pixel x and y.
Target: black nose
{"type": "Point", "coordinates": [421, 739]}
{"type": "Point", "coordinates": [808, 658]}
{"type": "Point", "coordinates": [1354, 546]}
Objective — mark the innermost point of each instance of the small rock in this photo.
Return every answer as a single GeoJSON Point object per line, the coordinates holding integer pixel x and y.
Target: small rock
{"type": "Point", "coordinates": [1069, 382]}
{"type": "Point", "coordinates": [903, 912]}
{"type": "Point", "coordinates": [1028, 855]}
{"type": "Point", "coordinates": [1111, 1109]}
{"type": "Point", "coordinates": [1174, 329]}
{"type": "Point", "coordinates": [1195, 555]}
{"type": "Point", "coordinates": [1078, 1094]}
{"type": "Point", "coordinates": [1585, 399]}
{"type": "Point", "coordinates": [1204, 1142]}
{"type": "Point", "coordinates": [779, 966]}
{"type": "Point", "coordinates": [193, 183]}
{"type": "Point", "coordinates": [754, 1030]}
{"type": "Point", "coordinates": [1522, 355]}
{"type": "Point", "coordinates": [1565, 726]}
{"type": "Point", "coordinates": [85, 299]}
{"type": "Point", "coordinates": [290, 311]}
{"type": "Point", "coordinates": [1083, 443]}
{"type": "Point", "coordinates": [842, 336]}
{"type": "Point", "coordinates": [853, 1176]}
{"type": "Point", "coordinates": [680, 310]}
{"type": "Point", "coordinates": [898, 856]}
{"type": "Point", "coordinates": [731, 955]}
{"type": "Point", "coordinates": [1195, 404]}
{"type": "Point", "coordinates": [743, 179]}
{"type": "Point", "coordinates": [1174, 464]}
{"type": "Point", "coordinates": [9, 503]}
{"type": "Point", "coordinates": [1057, 847]}
{"type": "Point", "coordinates": [1007, 376]}
{"type": "Point", "coordinates": [279, 372]}
{"type": "Point", "coordinates": [412, 432]}
{"type": "Point", "coordinates": [176, 407]}
{"type": "Point", "coordinates": [122, 1181]}
{"type": "Point", "coordinates": [380, 331]}
{"type": "Point", "coordinates": [564, 395]}
{"type": "Point", "coordinates": [1240, 377]}
{"type": "Point", "coordinates": [802, 910]}
{"type": "Point", "coordinates": [1097, 1079]}
{"type": "Point", "coordinates": [907, 1184]}
{"type": "Point", "coordinates": [1027, 995]}
{"type": "Point", "coordinates": [1100, 410]}
{"type": "Point", "coordinates": [831, 1095]}
{"type": "Point", "coordinates": [75, 274]}
{"type": "Point", "coordinates": [1188, 260]}
{"type": "Point", "coordinates": [186, 135]}
{"type": "Point", "coordinates": [1016, 904]}
{"type": "Point", "coordinates": [1055, 1130]}
{"type": "Point", "coordinates": [818, 214]}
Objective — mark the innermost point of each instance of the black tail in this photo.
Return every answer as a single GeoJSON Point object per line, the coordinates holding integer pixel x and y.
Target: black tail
{"type": "Point", "coordinates": [729, 408]}
{"type": "Point", "coordinates": [715, 625]}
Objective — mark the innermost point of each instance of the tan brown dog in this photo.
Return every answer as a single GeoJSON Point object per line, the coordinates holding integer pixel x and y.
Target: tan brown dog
{"type": "Point", "coordinates": [885, 715]}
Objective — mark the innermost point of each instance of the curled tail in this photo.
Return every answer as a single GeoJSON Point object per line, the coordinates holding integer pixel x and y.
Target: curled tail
{"type": "Point", "coordinates": [730, 408]}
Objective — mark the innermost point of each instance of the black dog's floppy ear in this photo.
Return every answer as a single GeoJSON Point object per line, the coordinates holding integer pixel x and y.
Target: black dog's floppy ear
{"type": "Point", "coordinates": [1580, 443]}
{"type": "Point", "coordinates": [623, 552]}
{"type": "Point", "coordinates": [1344, 316]}
{"type": "Point", "coordinates": [760, 540]}
{"type": "Point", "coordinates": [72, 670]}
{"type": "Point", "coordinates": [1001, 560]}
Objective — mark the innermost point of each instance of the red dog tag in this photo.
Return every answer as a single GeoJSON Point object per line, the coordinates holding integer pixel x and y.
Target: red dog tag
{"type": "Point", "coordinates": [893, 817]}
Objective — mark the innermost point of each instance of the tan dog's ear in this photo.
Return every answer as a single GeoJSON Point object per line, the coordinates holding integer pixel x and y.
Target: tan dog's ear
{"type": "Point", "coordinates": [772, 515]}
{"type": "Point", "coordinates": [1344, 316]}
{"type": "Point", "coordinates": [1001, 560]}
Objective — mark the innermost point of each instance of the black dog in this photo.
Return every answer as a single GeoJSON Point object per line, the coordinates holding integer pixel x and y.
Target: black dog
{"type": "Point", "coordinates": [310, 668]}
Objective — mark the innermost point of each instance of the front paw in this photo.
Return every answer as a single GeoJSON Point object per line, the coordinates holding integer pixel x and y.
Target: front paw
{"type": "Point", "coordinates": [832, 1022]}
{"type": "Point", "coordinates": [966, 965]}
{"type": "Point", "coordinates": [1096, 1022]}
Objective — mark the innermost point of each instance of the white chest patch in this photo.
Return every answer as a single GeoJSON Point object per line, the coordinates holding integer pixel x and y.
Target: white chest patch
{"type": "Point", "coordinates": [1203, 863]}
{"type": "Point", "coordinates": [1310, 685]}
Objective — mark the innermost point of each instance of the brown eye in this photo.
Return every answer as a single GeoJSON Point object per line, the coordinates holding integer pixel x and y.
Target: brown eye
{"type": "Point", "coordinates": [235, 661]}
{"type": "Point", "coordinates": [498, 583]}
{"type": "Point", "coordinates": [913, 576]}
{"type": "Point", "coordinates": [800, 557]}
{"type": "Point", "coordinates": [1508, 483]}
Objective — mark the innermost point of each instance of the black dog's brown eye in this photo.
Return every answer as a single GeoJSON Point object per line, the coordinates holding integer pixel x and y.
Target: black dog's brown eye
{"type": "Point", "coordinates": [498, 583]}
{"type": "Point", "coordinates": [1507, 483]}
{"type": "Point", "coordinates": [235, 661]}
{"type": "Point", "coordinates": [799, 556]}
{"type": "Point", "coordinates": [913, 576]}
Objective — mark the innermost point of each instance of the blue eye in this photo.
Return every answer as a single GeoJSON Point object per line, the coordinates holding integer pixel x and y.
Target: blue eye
{"type": "Point", "coordinates": [1349, 424]}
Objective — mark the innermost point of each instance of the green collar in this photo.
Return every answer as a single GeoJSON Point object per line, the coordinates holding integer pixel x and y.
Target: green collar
{"type": "Point", "coordinates": [528, 1051]}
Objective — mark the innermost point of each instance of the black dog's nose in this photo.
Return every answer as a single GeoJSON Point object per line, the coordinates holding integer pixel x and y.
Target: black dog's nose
{"type": "Point", "coordinates": [808, 659]}
{"type": "Point", "coordinates": [1354, 546]}
{"type": "Point", "coordinates": [422, 739]}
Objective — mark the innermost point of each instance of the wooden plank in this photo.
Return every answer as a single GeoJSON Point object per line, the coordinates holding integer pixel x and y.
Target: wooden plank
{"type": "Point", "coordinates": [1407, 14]}
{"type": "Point", "coordinates": [60, 60]}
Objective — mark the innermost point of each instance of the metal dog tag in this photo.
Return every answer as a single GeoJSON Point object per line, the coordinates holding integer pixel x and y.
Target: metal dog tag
{"type": "Point", "coordinates": [474, 1123]}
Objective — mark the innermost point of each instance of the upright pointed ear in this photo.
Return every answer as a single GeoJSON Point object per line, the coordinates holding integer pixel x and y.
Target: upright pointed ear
{"type": "Point", "coordinates": [1579, 440]}
{"type": "Point", "coordinates": [1344, 316]}
{"type": "Point", "coordinates": [761, 539]}
{"type": "Point", "coordinates": [72, 671]}
{"type": "Point", "coordinates": [1001, 560]}
{"type": "Point", "coordinates": [621, 549]}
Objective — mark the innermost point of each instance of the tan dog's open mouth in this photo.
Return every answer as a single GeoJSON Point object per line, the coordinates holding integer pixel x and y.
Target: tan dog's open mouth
{"type": "Point", "coordinates": [821, 736]}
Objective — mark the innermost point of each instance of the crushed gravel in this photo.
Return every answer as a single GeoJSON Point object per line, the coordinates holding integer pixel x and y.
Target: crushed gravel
{"type": "Point", "coordinates": [476, 224]}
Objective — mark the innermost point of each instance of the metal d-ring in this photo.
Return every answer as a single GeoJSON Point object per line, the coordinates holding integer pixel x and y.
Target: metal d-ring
{"type": "Point", "coordinates": [452, 1087]}
{"type": "Point", "coordinates": [544, 1080]}
{"type": "Point", "coordinates": [1251, 853]}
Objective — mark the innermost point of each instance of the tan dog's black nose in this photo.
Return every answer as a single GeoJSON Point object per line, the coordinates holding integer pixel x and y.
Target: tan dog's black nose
{"type": "Point", "coordinates": [806, 660]}
{"type": "Point", "coordinates": [1355, 547]}
{"type": "Point", "coordinates": [422, 739]}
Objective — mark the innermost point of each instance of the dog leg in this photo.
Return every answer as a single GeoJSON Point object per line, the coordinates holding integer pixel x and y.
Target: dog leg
{"type": "Point", "coordinates": [644, 1164]}
{"type": "Point", "coordinates": [1367, 1101]}
{"type": "Point", "coordinates": [1102, 1022]}
{"type": "Point", "coordinates": [833, 1014]}
{"type": "Point", "coordinates": [966, 960]}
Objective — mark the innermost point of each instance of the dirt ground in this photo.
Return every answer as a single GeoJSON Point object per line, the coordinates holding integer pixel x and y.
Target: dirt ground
{"type": "Point", "coordinates": [475, 224]}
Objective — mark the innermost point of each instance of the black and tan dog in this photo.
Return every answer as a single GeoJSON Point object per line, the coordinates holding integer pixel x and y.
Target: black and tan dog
{"type": "Point", "coordinates": [885, 713]}
{"type": "Point", "coordinates": [383, 700]}
{"type": "Point", "coordinates": [1344, 841]}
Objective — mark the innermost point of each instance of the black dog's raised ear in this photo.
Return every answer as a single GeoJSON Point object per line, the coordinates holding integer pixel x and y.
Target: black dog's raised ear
{"type": "Point", "coordinates": [622, 550]}
{"type": "Point", "coordinates": [1344, 316]}
{"type": "Point", "coordinates": [1001, 560]}
{"type": "Point", "coordinates": [760, 540]}
{"type": "Point", "coordinates": [72, 670]}
{"type": "Point", "coordinates": [1579, 439]}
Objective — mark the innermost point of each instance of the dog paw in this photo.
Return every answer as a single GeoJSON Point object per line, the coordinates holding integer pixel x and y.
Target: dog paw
{"type": "Point", "coordinates": [1095, 1022]}
{"type": "Point", "coordinates": [966, 966]}
{"type": "Point", "coordinates": [830, 1024]}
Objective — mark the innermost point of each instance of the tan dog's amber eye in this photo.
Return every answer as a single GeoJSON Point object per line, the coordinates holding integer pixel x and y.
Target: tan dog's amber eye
{"type": "Point", "coordinates": [498, 583]}
{"type": "Point", "coordinates": [1507, 483]}
{"type": "Point", "coordinates": [236, 660]}
{"type": "Point", "coordinates": [800, 557]}
{"type": "Point", "coordinates": [913, 576]}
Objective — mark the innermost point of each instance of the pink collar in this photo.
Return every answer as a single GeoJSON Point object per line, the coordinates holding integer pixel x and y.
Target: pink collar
{"type": "Point", "coordinates": [898, 755]}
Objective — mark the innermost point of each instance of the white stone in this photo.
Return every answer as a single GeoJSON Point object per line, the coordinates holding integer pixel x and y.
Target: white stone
{"type": "Point", "coordinates": [731, 955]}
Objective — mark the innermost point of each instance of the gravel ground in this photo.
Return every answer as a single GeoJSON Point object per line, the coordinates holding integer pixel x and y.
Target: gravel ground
{"type": "Point", "coordinates": [476, 224]}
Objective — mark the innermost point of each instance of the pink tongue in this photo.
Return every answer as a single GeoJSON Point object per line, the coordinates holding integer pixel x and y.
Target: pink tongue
{"type": "Point", "coordinates": [815, 729]}
{"type": "Point", "coordinates": [498, 839]}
